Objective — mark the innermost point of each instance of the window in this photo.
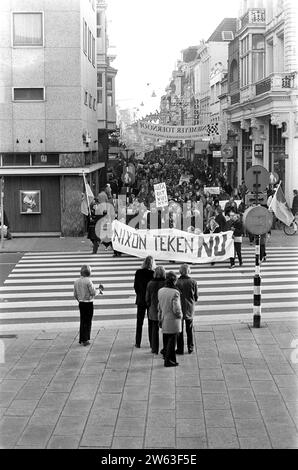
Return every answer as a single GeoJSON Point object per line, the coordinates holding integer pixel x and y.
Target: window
{"type": "Point", "coordinates": [93, 51]}
{"type": "Point", "coordinates": [109, 84]}
{"type": "Point", "coordinates": [99, 96]}
{"type": "Point", "coordinates": [245, 45]}
{"type": "Point", "coordinates": [86, 98]}
{"type": "Point", "coordinates": [84, 36]}
{"type": "Point", "coordinates": [27, 29]}
{"type": "Point", "coordinates": [28, 94]}
{"type": "Point", "coordinates": [99, 79]}
{"type": "Point", "coordinates": [89, 44]}
{"type": "Point", "coordinates": [234, 71]}
{"type": "Point", "coordinates": [258, 41]}
{"type": "Point", "coordinates": [258, 66]}
{"type": "Point", "coordinates": [227, 35]}
{"type": "Point", "coordinates": [244, 71]}
{"type": "Point", "coordinates": [110, 99]}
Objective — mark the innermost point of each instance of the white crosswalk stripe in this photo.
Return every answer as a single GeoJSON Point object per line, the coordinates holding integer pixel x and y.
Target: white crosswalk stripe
{"type": "Point", "coordinates": [40, 287]}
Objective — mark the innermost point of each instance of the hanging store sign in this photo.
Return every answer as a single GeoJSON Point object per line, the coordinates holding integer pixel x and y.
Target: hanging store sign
{"type": "Point", "coordinates": [173, 132]}
{"type": "Point", "coordinates": [259, 150]}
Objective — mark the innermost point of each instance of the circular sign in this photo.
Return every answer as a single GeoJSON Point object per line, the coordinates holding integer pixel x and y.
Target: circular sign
{"type": "Point", "coordinates": [257, 220]}
{"type": "Point", "coordinates": [257, 178]}
{"type": "Point", "coordinates": [227, 151]}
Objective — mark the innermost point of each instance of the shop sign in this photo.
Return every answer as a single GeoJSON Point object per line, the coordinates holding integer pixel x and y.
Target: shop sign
{"type": "Point", "coordinates": [259, 150]}
{"type": "Point", "coordinates": [217, 154]}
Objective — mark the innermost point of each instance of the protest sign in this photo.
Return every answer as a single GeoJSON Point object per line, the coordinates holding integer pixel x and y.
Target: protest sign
{"type": "Point", "coordinates": [172, 244]}
{"type": "Point", "coordinates": [161, 196]}
{"type": "Point", "coordinates": [212, 190]}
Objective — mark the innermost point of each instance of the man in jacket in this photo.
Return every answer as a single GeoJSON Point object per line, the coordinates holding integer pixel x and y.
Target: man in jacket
{"type": "Point", "coordinates": [142, 278]}
{"type": "Point", "coordinates": [189, 296]}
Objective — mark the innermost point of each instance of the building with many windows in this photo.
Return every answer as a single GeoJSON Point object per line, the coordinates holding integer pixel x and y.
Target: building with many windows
{"type": "Point", "coordinates": [263, 90]}
{"type": "Point", "coordinates": [106, 106]}
{"type": "Point", "coordinates": [48, 113]}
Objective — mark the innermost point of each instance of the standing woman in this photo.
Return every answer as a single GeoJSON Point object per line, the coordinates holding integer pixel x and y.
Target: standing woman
{"type": "Point", "coordinates": [170, 315]}
{"type": "Point", "coordinates": [84, 293]}
{"type": "Point", "coordinates": [142, 277]}
{"type": "Point", "coordinates": [153, 287]}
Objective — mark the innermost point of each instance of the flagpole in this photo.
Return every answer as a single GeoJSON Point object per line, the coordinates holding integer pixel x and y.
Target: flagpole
{"type": "Point", "coordinates": [274, 196]}
{"type": "Point", "coordinates": [85, 183]}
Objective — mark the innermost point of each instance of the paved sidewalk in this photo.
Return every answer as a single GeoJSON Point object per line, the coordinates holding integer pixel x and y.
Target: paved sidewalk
{"type": "Point", "coordinates": [238, 390]}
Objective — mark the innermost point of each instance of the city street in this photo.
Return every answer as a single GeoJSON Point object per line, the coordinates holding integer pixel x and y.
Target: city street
{"type": "Point", "coordinates": [39, 288]}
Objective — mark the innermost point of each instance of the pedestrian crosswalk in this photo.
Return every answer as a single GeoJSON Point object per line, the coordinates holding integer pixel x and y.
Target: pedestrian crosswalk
{"type": "Point", "coordinates": [39, 290]}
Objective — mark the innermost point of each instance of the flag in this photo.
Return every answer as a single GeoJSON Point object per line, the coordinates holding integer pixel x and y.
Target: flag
{"type": "Point", "coordinates": [280, 207]}
{"type": "Point", "coordinates": [87, 198]}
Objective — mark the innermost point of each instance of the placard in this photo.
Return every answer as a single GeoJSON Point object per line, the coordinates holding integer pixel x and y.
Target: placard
{"type": "Point", "coordinates": [161, 195]}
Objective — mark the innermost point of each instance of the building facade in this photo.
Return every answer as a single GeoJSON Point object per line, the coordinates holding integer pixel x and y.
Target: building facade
{"type": "Point", "coordinates": [48, 113]}
{"type": "Point", "coordinates": [262, 115]}
{"type": "Point", "coordinates": [106, 74]}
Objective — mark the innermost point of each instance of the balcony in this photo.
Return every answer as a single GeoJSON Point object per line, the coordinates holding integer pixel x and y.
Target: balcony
{"type": "Point", "coordinates": [276, 82]}
{"type": "Point", "coordinates": [253, 16]}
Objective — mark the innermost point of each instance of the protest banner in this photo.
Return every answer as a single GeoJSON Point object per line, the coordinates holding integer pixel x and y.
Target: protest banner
{"type": "Point", "coordinates": [212, 190]}
{"type": "Point", "coordinates": [172, 244]}
{"type": "Point", "coordinates": [161, 196]}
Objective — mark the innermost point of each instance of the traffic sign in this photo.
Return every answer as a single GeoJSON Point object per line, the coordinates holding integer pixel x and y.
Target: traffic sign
{"type": "Point", "coordinates": [250, 199]}
{"type": "Point", "coordinates": [227, 160]}
{"type": "Point", "coordinates": [227, 151]}
{"type": "Point", "coordinates": [257, 178]}
{"type": "Point", "coordinates": [257, 220]}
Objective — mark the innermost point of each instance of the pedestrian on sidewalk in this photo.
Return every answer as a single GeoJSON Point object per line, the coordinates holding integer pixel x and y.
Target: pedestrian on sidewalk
{"type": "Point", "coordinates": [169, 316]}
{"type": "Point", "coordinates": [142, 277]}
{"type": "Point", "coordinates": [189, 296]}
{"type": "Point", "coordinates": [84, 293]}
{"type": "Point", "coordinates": [153, 287]}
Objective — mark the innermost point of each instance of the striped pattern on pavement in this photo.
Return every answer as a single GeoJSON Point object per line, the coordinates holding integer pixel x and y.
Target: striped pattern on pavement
{"type": "Point", "coordinates": [40, 287]}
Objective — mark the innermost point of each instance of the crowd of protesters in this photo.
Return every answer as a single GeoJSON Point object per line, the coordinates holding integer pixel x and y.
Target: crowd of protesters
{"type": "Point", "coordinates": [186, 184]}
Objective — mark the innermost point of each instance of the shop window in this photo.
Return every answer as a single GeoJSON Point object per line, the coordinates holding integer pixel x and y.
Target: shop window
{"type": "Point", "coordinates": [27, 29]}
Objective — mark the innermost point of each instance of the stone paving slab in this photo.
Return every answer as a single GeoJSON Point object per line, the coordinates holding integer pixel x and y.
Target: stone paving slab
{"type": "Point", "coordinates": [238, 390]}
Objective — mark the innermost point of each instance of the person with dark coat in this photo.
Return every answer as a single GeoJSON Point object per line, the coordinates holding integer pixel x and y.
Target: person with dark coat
{"type": "Point", "coordinates": [220, 220]}
{"type": "Point", "coordinates": [236, 226]}
{"type": "Point", "coordinates": [142, 278]}
{"type": "Point", "coordinates": [153, 287]}
{"type": "Point", "coordinates": [169, 316]}
{"type": "Point", "coordinates": [295, 202]}
{"type": "Point", "coordinates": [91, 223]}
{"type": "Point", "coordinates": [189, 296]}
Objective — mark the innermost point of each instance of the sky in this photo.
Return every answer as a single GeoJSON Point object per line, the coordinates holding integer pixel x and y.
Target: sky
{"type": "Point", "coordinates": [148, 35]}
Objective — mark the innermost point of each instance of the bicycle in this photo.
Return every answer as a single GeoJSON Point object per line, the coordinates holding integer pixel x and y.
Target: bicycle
{"type": "Point", "coordinates": [291, 229]}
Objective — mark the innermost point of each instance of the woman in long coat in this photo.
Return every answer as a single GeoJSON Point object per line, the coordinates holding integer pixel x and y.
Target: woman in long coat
{"type": "Point", "coordinates": [153, 287]}
{"type": "Point", "coordinates": [170, 316]}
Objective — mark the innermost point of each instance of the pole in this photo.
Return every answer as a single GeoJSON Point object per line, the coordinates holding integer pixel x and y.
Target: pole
{"type": "Point", "coordinates": [257, 277]}
{"type": "Point", "coordinates": [257, 286]}
{"type": "Point", "coordinates": [2, 211]}
{"type": "Point", "coordinates": [85, 184]}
